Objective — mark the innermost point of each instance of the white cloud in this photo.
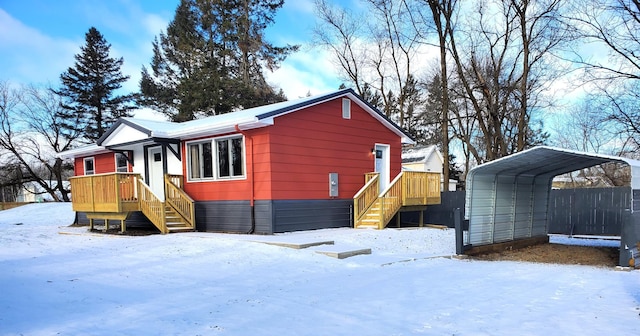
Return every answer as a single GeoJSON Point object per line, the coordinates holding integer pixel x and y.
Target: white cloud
{"type": "Point", "coordinates": [29, 56]}
{"type": "Point", "coordinates": [304, 72]}
{"type": "Point", "coordinates": [149, 114]}
{"type": "Point", "coordinates": [302, 6]}
{"type": "Point", "coordinates": [154, 24]}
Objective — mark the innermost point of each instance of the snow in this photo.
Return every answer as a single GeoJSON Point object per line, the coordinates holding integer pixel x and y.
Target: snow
{"type": "Point", "coordinates": [415, 154]}
{"type": "Point", "coordinates": [56, 279]}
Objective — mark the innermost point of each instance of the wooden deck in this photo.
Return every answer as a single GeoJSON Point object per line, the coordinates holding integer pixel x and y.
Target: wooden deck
{"type": "Point", "coordinates": [114, 192]}
{"type": "Point", "coordinates": [116, 195]}
{"type": "Point", "coordinates": [408, 189]}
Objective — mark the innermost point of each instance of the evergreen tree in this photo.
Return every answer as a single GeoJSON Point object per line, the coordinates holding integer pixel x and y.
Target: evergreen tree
{"type": "Point", "coordinates": [91, 103]}
{"type": "Point", "coordinates": [432, 115]}
{"type": "Point", "coordinates": [211, 59]}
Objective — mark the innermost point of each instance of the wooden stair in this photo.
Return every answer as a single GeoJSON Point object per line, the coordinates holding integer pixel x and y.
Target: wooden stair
{"type": "Point", "coordinates": [176, 214]}
{"type": "Point", "coordinates": [409, 189]}
{"type": "Point", "coordinates": [174, 222]}
{"type": "Point", "coordinates": [372, 216]}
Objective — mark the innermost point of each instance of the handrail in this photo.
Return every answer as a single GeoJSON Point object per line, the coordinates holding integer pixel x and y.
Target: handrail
{"type": "Point", "coordinates": [152, 207]}
{"type": "Point", "coordinates": [369, 176]}
{"type": "Point", "coordinates": [390, 201]}
{"type": "Point", "coordinates": [365, 198]}
{"type": "Point", "coordinates": [177, 180]}
{"type": "Point", "coordinates": [178, 199]}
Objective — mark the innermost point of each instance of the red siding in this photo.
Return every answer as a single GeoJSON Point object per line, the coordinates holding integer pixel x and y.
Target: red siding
{"type": "Point", "coordinates": [307, 145]}
{"type": "Point", "coordinates": [78, 167]}
{"type": "Point", "coordinates": [104, 163]}
{"type": "Point", "coordinates": [292, 159]}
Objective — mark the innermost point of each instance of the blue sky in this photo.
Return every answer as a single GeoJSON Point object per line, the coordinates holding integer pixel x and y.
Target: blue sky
{"type": "Point", "coordinates": [38, 39]}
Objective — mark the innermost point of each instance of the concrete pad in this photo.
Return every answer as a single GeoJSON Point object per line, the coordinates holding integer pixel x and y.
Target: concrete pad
{"type": "Point", "coordinates": [298, 246]}
{"type": "Point", "coordinates": [342, 252]}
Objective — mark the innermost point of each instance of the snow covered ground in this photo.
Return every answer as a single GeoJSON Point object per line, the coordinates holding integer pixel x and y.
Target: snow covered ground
{"type": "Point", "coordinates": [62, 280]}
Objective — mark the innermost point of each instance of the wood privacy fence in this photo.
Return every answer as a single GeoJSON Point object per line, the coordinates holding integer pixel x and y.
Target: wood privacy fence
{"type": "Point", "coordinates": [11, 205]}
{"type": "Point", "coordinates": [591, 211]}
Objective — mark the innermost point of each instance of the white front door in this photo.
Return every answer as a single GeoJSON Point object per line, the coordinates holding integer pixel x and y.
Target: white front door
{"type": "Point", "coordinates": [156, 173]}
{"type": "Point", "coordinates": [382, 165]}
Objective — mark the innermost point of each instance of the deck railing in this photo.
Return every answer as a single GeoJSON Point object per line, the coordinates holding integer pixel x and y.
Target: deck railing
{"type": "Point", "coordinates": [152, 207]}
{"type": "Point", "coordinates": [114, 192]}
{"type": "Point", "coordinates": [121, 193]}
{"type": "Point", "coordinates": [366, 197]}
{"type": "Point", "coordinates": [420, 188]}
{"type": "Point", "coordinates": [178, 199]}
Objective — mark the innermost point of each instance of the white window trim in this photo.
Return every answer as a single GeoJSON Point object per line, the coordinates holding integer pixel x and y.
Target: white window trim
{"type": "Point", "coordinates": [214, 149]}
{"type": "Point", "coordinates": [84, 165]}
{"type": "Point", "coordinates": [188, 151]}
{"type": "Point", "coordinates": [115, 158]}
{"type": "Point", "coordinates": [346, 108]}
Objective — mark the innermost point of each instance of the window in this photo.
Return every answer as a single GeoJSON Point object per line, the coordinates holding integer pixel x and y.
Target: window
{"type": "Point", "coordinates": [229, 156]}
{"type": "Point", "coordinates": [200, 160]}
{"type": "Point", "coordinates": [346, 108]}
{"type": "Point", "coordinates": [89, 166]}
{"type": "Point", "coordinates": [230, 163]}
{"type": "Point", "coordinates": [122, 163]}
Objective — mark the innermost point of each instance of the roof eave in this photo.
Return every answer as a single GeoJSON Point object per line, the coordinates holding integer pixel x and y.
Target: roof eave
{"type": "Point", "coordinates": [226, 128]}
{"type": "Point", "coordinates": [405, 137]}
{"type": "Point", "coordinates": [82, 151]}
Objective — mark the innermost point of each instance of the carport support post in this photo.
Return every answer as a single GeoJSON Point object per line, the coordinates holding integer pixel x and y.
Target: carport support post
{"type": "Point", "coordinates": [630, 239]}
{"type": "Point", "coordinates": [459, 231]}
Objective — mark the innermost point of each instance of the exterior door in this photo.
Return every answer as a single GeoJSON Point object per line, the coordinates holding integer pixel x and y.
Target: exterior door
{"type": "Point", "coordinates": [156, 172]}
{"type": "Point", "coordinates": [382, 165]}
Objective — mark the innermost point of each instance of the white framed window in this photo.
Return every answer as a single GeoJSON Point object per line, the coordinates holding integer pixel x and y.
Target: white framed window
{"type": "Point", "coordinates": [89, 166]}
{"type": "Point", "coordinates": [216, 159]}
{"type": "Point", "coordinates": [200, 160]}
{"type": "Point", "coordinates": [230, 155]}
{"type": "Point", "coordinates": [346, 108]}
{"type": "Point", "coordinates": [122, 163]}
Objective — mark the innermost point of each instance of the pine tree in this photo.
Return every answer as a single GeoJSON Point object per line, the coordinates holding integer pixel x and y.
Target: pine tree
{"type": "Point", "coordinates": [89, 89]}
{"type": "Point", "coordinates": [211, 59]}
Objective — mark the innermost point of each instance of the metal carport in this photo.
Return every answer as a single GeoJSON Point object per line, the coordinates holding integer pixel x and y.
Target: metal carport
{"type": "Point", "coordinates": [508, 199]}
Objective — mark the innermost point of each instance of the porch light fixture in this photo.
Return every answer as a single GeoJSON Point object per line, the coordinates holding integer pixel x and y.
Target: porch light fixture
{"type": "Point", "coordinates": [373, 151]}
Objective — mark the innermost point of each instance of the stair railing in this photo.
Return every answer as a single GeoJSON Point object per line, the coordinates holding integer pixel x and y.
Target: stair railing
{"type": "Point", "coordinates": [365, 197]}
{"type": "Point", "coordinates": [152, 207]}
{"type": "Point", "coordinates": [178, 199]}
{"type": "Point", "coordinates": [390, 201]}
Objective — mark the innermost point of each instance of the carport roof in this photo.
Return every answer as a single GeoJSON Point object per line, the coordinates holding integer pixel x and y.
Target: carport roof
{"type": "Point", "coordinates": [551, 161]}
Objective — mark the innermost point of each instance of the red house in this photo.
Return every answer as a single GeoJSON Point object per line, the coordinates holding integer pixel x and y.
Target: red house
{"type": "Point", "coordinates": [294, 165]}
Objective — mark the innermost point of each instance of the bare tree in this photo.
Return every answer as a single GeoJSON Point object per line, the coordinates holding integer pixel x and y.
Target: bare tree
{"type": "Point", "coordinates": [504, 70]}
{"type": "Point", "coordinates": [376, 52]}
{"type": "Point", "coordinates": [614, 26]}
{"type": "Point", "coordinates": [442, 14]}
{"type": "Point", "coordinates": [31, 134]}
{"type": "Point", "coordinates": [341, 33]}
{"type": "Point", "coordinates": [586, 128]}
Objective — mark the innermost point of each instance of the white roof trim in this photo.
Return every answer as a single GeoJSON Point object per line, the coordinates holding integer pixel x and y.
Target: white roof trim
{"type": "Point", "coordinates": [82, 151]}
{"type": "Point", "coordinates": [256, 117]}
